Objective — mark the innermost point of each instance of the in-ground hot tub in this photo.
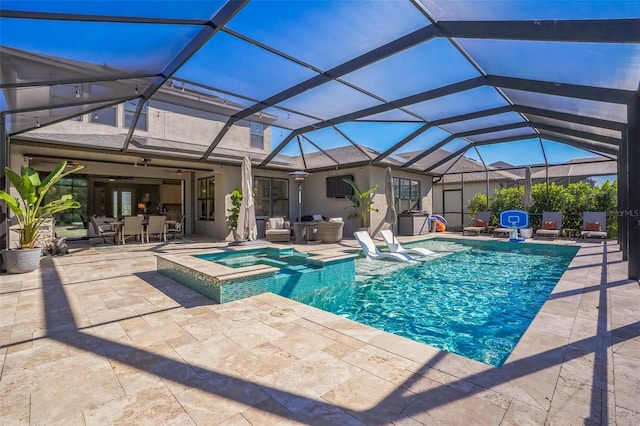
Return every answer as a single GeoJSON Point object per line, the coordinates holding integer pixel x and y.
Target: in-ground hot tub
{"type": "Point", "coordinates": [227, 275]}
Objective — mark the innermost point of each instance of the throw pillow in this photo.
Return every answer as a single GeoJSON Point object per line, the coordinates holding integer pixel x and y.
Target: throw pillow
{"type": "Point", "coordinates": [593, 226]}
{"type": "Point", "coordinates": [335, 220]}
{"type": "Point", "coordinates": [480, 223]}
{"type": "Point", "coordinates": [550, 225]}
{"type": "Point", "coordinates": [317, 217]}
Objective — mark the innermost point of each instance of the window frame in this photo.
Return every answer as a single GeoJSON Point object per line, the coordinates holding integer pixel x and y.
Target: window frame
{"type": "Point", "coordinates": [270, 198]}
{"type": "Point", "coordinates": [409, 198]}
{"type": "Point", "coordinates": [206, 199]}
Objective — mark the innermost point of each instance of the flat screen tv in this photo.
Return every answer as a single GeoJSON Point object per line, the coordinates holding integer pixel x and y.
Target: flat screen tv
{"type": "Point", "coordinates": [338, 188]}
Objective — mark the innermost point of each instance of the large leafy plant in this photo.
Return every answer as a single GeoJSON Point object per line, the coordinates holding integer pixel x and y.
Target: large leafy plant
{"type": "Point", "coordinates": [28, 207]}
{"type": "Point", "coordinates": [362, 202]}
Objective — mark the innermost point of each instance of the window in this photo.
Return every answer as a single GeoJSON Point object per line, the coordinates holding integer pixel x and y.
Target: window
{"type": "Point", "coordinates": [105, 116]}
{"type": "Point", "coordinates": [272, 197]}
{"type": "Point", "coordinates": [70, 221]}
{"type": "Point", "coordinates": [129, 112]}
{"type": "Point", "coordinates": [206, 192]}
{"type": "Point", "coordinates": [407, 193]}
{"type": "Point", "coordinates": [257, 135]}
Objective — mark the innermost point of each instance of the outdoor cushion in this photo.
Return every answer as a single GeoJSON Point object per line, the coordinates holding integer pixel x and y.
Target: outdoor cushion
{"type": "Point", "coordinates": [318, 217]}
{"type": "Point", "coordinates": [550, 225]}
{"type": "Point", "coordinates": [593, 226]}
{"type": "Point", "coordinates": [480, 222]}
{"type": "Point", "coordinates": [335, 220]}
{"type": "Point", "coordinates": [276, 223]}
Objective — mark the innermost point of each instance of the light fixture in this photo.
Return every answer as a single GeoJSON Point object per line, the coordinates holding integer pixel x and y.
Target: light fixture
{"type": "Point", "coordinates": [136, 90]}
{"type": "Point", "coordinates": [179, 172]}
{"type": "Point", "coordinates": [299, 176]}
{"type": "Point", "coordinates": [37, 123]}
{"type": "Point", "coordinates": [77, 92]}
{"type": "Point", "coordinates": [95, 117]}
{"type": "Point", "coordinates": [145, 161]}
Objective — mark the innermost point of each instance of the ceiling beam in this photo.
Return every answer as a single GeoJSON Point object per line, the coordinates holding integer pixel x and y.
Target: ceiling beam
{"type": "Point", "coordinates": [77, 81]}
{"type": "Point", "coordinates": [588, 30]}
{"type": "Point", "coordinates": [52, 16]}
{"type": "Point", "coordinates": [602, 94]}
{"type": "Point", "coordinates": [448, 158]}
{"type": "Point", "coordinates": [428, 151]}
{"type": "Point", "coordinates": [581, 144]}
{"type": "Point", "coordinates": [572, 118]}
{"type": "Point", "coordinates": [576, 133]}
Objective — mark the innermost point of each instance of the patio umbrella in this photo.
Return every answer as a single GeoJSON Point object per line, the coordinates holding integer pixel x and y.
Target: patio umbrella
{"type": "Point", "coordinates": [390, 217]}
{"type": "Point", "coordinates": [527, 201]}
{"type": "Point", "coordinates": [247, 227]}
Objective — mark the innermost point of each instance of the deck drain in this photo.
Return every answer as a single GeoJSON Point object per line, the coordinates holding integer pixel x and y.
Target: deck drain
{"type": "Point", "coordinates": [281, 312]}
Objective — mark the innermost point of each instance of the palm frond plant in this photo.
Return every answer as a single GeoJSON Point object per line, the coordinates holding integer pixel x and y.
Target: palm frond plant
{"type": "Point", "coordinates": [362, 202]}
{"type": "Point", "coordinates": [28, 208]}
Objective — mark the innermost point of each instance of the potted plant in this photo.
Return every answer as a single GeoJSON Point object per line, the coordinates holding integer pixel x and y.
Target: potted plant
{"type": "Point", "coordinates": [234, 212]}
{"type": "Point", "coordinates": [30, 213]}
{"type": "Point", "coordinates": [362, 202]}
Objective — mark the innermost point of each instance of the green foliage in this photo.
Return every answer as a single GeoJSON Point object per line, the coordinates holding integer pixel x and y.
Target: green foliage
{"type": "Point", "coordinates": [572, 200]}
{"type": "Point", "coordinates": [478, 203]}
{"type": "Point", "coordinates": [507, 199]}
{"type": "Point", "coordinates": [234, 211]}
{"type": "Point", "coordinates": [29, 208]}
{"type": "Point", "coordinates": [362, 202]}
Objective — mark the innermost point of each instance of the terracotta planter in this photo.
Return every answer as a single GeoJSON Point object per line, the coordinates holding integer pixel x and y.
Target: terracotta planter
{"type": "Point", "coordinates": [20, 261]}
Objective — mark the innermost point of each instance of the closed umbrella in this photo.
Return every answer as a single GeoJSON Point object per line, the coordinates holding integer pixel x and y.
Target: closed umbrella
{"type": "Point", "coordinates": [247, 216]}
{"type": "Point", "coordinates": [527, 201]}
{"type": "Point", "coordinates": [390, 217]}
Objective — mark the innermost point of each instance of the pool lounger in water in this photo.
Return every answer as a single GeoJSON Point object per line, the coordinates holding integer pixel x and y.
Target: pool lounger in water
{"type": "Point", "coordinates": [395, 247]}
{"type": "Point", "coordinates": [371, 251]}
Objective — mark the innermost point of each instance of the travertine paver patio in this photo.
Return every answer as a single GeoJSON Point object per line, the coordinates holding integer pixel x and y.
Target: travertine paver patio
{"type": "Point", "coordinates": [99, 337]}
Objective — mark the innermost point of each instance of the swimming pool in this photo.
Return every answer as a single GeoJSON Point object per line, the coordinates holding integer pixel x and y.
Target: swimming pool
{"type": "Point", "coordinates": [477, 302]}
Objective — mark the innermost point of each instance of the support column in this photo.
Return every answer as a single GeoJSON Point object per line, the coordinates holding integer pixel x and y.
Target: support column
{"type": "Point", "coordinates": [4, 183]}
{"type": "Point", "coordinates": [632, 214]}
{"type": "Point", "coordinates": [623, 197]}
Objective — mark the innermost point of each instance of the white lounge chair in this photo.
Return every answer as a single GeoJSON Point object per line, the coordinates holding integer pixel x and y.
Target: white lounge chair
{"type": "Point", "coordinates": [371, 251]}
{"type": "Point", "coordinates": [395, 247]}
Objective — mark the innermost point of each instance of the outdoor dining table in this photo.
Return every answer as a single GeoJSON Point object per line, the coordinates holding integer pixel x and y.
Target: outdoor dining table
{"type": "Point", "coordinates": [118, 224]}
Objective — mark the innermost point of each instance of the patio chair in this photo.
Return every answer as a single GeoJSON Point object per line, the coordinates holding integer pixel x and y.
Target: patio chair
{"type": "Point", "coordinates": [371, 251]}
{"type": "Point", "coordinates": [277, 229]}
{"type": "Point", "coordinates": [395, 246]}
{"type": "Point", "coordinates": [103, 231]}
{"type": "Point", "coordinates": [132, 227]}
{"type": "Point", "coordinates": [480, 225]}
{"type": "Point", "coordinates": [594, 225]}
{"type": "Point", "coordinates": [551, 225]}
{"type": "Point", "coordinates": [157, 227]}
{"type": "Point", "coordinates": [177, 228]}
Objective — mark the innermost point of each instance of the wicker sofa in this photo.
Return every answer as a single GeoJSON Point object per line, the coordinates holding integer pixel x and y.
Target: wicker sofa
{"type": "Point", "coordinates": [328, 232]}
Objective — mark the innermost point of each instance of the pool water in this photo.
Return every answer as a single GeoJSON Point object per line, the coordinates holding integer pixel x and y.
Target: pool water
{"type": "Point", "coordinates": [476, 300]}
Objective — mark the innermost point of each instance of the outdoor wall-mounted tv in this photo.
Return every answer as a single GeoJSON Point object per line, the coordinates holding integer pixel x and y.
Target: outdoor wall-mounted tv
{"type": "Point", "coordinates": [338, 188]}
